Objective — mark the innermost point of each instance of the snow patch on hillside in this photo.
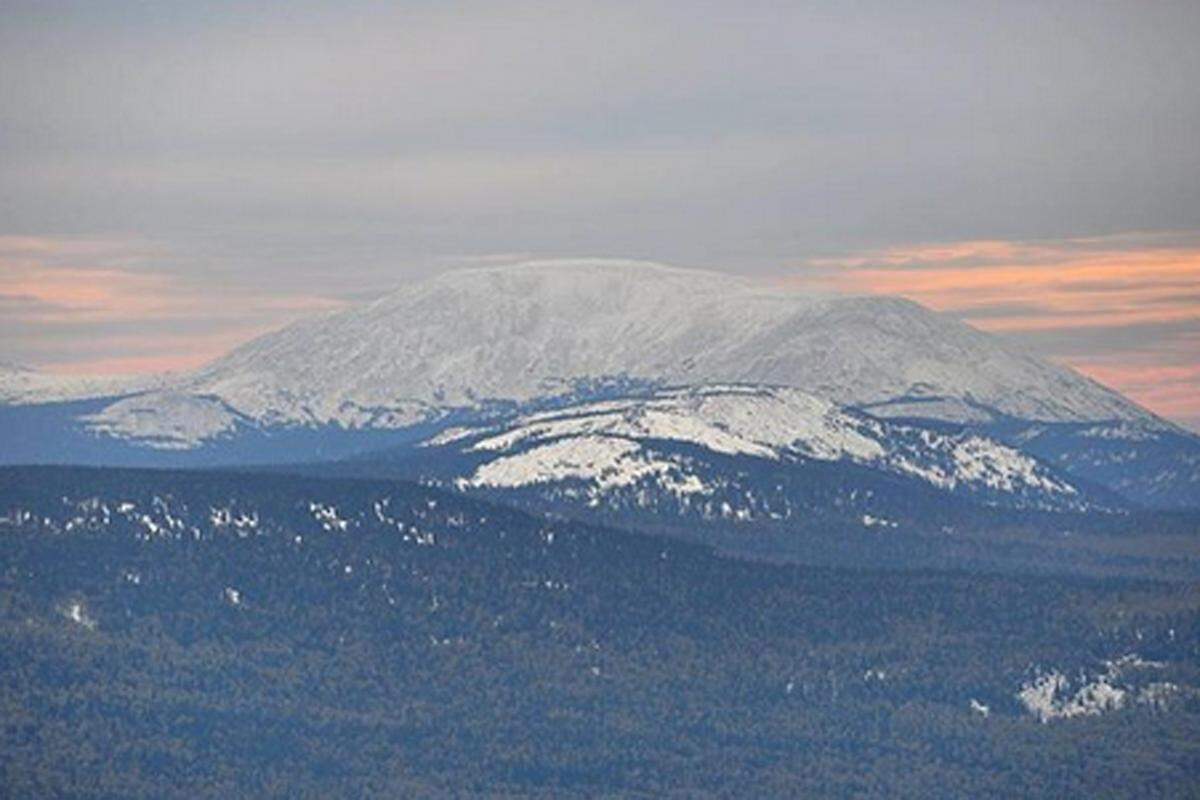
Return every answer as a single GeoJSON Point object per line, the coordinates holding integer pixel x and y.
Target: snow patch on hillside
{"type": "Point", "coordinates": [1051, 695]}
{"type": "Point", "coordinates": [24, 386]}
{"type": "Point", "coordinates": [611, 443]}
{"type": "Point", "coordinates": [165, 420]}
{"type": "Point", "coordinates": [734, 420]}
{"type": "Point", "coordinates": [608, 462]}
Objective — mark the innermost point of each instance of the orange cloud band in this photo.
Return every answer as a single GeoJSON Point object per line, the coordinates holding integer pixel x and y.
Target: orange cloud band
{"type": "Point", "coordinates": [67, 285]}
{"type": "Point", "coordinates": [1015, 287]}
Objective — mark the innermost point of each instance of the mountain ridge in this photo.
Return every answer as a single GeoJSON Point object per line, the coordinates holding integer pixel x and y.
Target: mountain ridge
{"type": "Point", "coordinates": [497, 342]}
{"type": "Point", "coordinates": [466, 338]}
{"type": "Point", "coordinates": [604, 445]}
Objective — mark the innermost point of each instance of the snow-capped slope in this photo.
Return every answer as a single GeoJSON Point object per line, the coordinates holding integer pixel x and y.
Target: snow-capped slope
{"type": "Point", "coordinates": [733, 419]}
{"type": "Point", "coordinates": [522, 332]}
{"type": "Point", "coordinates": [616, 444]}
{"type": "Point", "coordinates": [178, 421]}
{"type": "Point", "coordinates": [494, 342]}
{"type": "Point", "coordinates": [20, 385]}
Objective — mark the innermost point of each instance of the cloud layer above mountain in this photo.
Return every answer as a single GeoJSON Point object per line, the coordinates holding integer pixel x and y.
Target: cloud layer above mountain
{"type": "Point", "coordinates": [196, 172]}
{"type": "Point", "coordinates": [1122, 309]}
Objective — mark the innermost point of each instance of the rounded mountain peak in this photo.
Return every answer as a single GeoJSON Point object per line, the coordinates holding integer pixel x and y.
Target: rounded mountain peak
{"type": "Point", "coordinates": [517, 332]}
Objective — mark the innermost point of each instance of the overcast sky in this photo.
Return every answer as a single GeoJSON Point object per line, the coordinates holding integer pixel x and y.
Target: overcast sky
{"type": "Point", "coordinates": [178, 176]}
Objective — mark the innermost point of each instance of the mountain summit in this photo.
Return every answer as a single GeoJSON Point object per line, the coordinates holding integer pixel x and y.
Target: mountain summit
{"type": "Point", "coordinates": [482, 346]}
{"type": "Point", "coordinates": [542, 328]}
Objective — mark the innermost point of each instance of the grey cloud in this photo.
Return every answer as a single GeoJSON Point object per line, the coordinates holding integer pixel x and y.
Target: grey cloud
{"type": "Point", "coordinates": [342, 148]}
{"type": "Point", "coordinates": [1168, 342]}
{"type": "Point", "coordinates": [1002, 311]}
{"type": "Point", "coordinates": [16, 306]}
{"type": "Point", "coordinates": [1122, 286]}
{"type": "Point", "coordinates": [733, 132]}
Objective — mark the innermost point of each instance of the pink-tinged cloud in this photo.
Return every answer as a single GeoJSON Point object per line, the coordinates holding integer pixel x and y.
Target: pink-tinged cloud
{"type": "Point", "coordinates": [135, 355]}
{"type": "Point", "coordinates": [85, 297]}
{"type": "Point", "coordinates": [86, 293]}
{"type": "Point", "coordinates": [1169, 390]}
{"type": "Point", "coordinates": [1118, 286]}
{"type": "Point", "coordinates": [47, 248]}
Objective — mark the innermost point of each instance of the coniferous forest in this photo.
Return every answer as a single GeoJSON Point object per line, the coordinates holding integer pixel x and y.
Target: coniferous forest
{"type": "Point", "coordinates": [173, 634]}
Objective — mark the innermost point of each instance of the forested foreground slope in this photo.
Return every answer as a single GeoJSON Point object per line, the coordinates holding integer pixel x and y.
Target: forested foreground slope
{"type": "Point", "coordinates": [216, 634]}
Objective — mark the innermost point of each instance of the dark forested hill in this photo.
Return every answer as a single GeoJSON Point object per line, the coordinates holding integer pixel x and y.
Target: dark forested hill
{"type": "Point", "coordinates": [217, 634]}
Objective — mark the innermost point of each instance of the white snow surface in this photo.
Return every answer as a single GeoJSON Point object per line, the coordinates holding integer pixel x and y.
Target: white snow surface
{"type": "Point", "coordinates": [733, 420]}
{"type": "Point", "coordinates": [608, 462]}
{"type": "Point", "coordinates": [516, 333]}
{"type": "Point", "coordinates": [1050, 695]}
{"type": "Point", "coordinates": [164, 420]}
{"type": "Point", "coordinates": [23, 386]}
{"type": "Point", "coordinates": [606, 442]}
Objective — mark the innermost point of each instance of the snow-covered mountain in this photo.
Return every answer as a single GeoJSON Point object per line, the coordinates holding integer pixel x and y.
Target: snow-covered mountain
{"type": "Point", "coordinates": [496, 342]}
{"type": "Point", "coordinates": [599, 450]}
{"type": "Point", "coordinates": [21, 385]}
{"type": "Point", "coordinates": [521, 332]}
